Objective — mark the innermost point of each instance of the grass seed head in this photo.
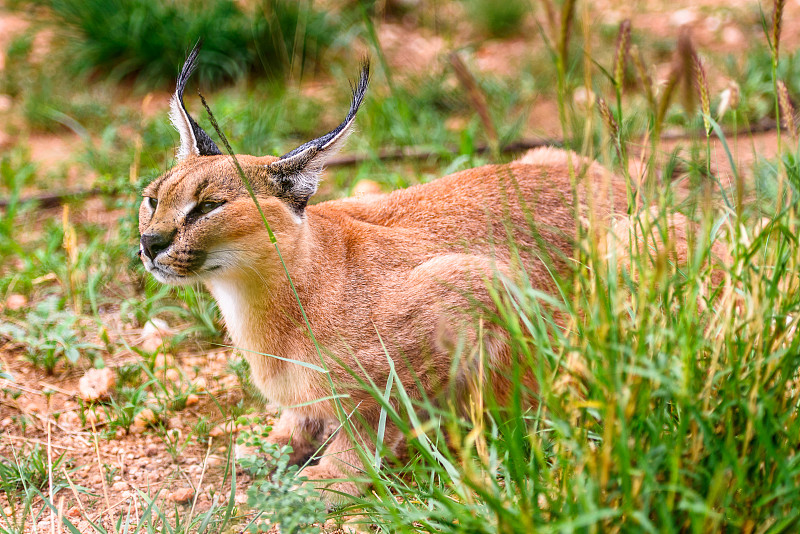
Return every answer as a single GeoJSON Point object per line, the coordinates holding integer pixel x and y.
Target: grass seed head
{"type": "Point", "coordinates": [701, 81]}
{"type": "Point", "coordinates": [777, 22]}
{"type": "Point", "coordinates": [787, 110]}
{"type": "Point", "coordinates": [608, 117]}
{"type": "Point", "coordinates": [622, 51]}
{"type": "Point", "coordinates": [567, 14]}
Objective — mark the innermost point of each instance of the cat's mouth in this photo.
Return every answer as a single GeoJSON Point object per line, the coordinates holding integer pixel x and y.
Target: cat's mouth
{"type": "Point", "coordinates": [168, 275]}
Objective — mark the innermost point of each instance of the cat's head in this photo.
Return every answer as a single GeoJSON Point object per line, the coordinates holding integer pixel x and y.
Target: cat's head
{"type": "Point", "coordinates": [199, 218]}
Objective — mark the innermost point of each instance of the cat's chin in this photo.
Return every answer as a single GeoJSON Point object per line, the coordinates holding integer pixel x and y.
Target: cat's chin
{"type": "Point", "coordinates": [165, 276]}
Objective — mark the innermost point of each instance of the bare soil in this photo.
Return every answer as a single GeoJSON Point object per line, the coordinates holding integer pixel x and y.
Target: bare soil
{"type": "Point", "coordinates": [164, 459]}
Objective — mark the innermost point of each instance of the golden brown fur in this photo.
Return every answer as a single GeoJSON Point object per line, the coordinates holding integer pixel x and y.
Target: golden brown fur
{"type": "Point", "coordinates": [381, 276]}
{"type": "Point", "coordinates": [399, 265]}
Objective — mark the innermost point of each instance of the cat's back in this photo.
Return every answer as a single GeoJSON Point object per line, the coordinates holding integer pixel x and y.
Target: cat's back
{"type": "Point", "coordinates": [528, 199]}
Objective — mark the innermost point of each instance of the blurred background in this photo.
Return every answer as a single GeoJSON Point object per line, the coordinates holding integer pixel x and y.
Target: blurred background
{"type": "Point", "coordinates": [84, 91]}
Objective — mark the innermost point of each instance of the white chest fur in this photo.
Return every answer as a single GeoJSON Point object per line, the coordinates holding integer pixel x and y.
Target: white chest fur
{"type": "Point", "coordinates": [247, 321]}
{"type": "Point", "coordinates": [237, 310]}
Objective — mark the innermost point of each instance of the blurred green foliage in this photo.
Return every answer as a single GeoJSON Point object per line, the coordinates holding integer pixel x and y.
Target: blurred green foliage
{"type": "Point", "coordinates": [148, 41]}
{"type": "Point", "coordinates": [499, 19]}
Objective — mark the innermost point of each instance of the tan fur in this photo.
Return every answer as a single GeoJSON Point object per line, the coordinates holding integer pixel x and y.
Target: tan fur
{"type": "Point", "coordinates": [403, 266]}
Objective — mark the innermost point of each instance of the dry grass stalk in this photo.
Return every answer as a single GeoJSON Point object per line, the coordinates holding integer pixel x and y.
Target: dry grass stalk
{"type": "Point", "coordinates": [70, 244]}
{"type": "Point", "coordinates": [74, 491]}
{"type": "Point", "coordinates": [673, 80]}
{"type": "Point", "coordinates": [60, 518]}
{"type": "Point", "coordinates": [787, 110]}
{"type": "Point", "coordinates": [50, 468]}
{"type": "Point", "coordinates": [684, 61]}
{"type": "Point", "coordinates": [550, 13]}
{"type": "Point", "coordinates": [567, 14]}
{"type": "Point", "coordinates": [644, 76]}
{"type": "Point", "coordinates": [102, 475]}
{"type": "Point", "coordinates": [199, 487]}
{"type": "Point", "coordinates": [476, 98]}
{"type": "Point", "coordinates": [622, 51]}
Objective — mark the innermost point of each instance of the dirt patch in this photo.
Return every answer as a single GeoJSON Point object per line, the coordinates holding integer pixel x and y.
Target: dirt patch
{"type": "Point", "coordinates": [10, 26]}
{"type": "Point", "coordinates": [721, 27]}
{"type": "Point", "coordinates": [51, 152]}
{"type": "Point", "coordinates": [411, 50]}
{"type": "Point", "coordinates": [114, 465]}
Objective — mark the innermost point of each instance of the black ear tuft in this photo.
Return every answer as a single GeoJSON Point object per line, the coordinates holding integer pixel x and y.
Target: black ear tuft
{"type": "Point", "coordinates": [329, 138]}
{"type": "Point", "coordinates": [194, 140]}
{"type": "Point", "coordinates": [297, 172]}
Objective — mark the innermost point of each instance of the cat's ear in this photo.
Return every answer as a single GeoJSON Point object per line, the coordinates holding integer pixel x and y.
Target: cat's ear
{"type": "Point", "coordinates": [194, 140]}
{"type": "Point", "coordinates": [297, 172]}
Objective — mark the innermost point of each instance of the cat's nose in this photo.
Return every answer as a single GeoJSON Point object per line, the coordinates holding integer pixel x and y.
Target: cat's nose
{"type": "Point", "coordinates": [152, 244]}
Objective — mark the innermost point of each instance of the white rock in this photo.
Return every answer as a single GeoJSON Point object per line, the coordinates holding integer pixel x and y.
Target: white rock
{"type": "Point", "coordinates": [96, 384]}
{"type": "Point", "coordinates": [16, 301]}
{"type": "Point", "coordinates": [683, 17]}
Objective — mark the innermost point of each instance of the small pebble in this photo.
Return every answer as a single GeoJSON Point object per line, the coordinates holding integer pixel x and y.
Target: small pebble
{"type": "Point", "coordinates": [221, 430]}
{"type": "Point", "coordinates": [96, 384]}
{"type": "Point", "coordinates": [153, 334]}
{"type": "Point", "coordinates": [70, 420]}
{"type": "Point", "coordinates": [200, 384]}
{"type": "Point", "coordinates": [175, 423]}
{"type": "Point", "coordinates": [5, 102]}
{"type": "Point", "coordinates": [138, 427]}
{"type": "Point", "coordinates": [172, 375]}
{"type": "Point", "coordinates": [182, 495]}
{"type": "Point", "coordinates": [16, 301]}
{"type": "Point", "coordinates": [146, 416]}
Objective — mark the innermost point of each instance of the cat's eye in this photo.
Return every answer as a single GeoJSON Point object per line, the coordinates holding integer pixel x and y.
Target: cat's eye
{"type": "Point", "coordinates": [208, 206]}
{"type": "Point", "coordinates": [151, 202]}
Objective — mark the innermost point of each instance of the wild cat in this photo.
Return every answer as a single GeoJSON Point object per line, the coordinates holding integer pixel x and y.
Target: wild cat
{"type": "Point", "coordinates": [380, 277]}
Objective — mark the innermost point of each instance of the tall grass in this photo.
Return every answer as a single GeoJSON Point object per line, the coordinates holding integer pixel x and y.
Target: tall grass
{"type": "Point", "coordinates": [667, 397]}
{"type": "Point", "coordinates": [667, 404]}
